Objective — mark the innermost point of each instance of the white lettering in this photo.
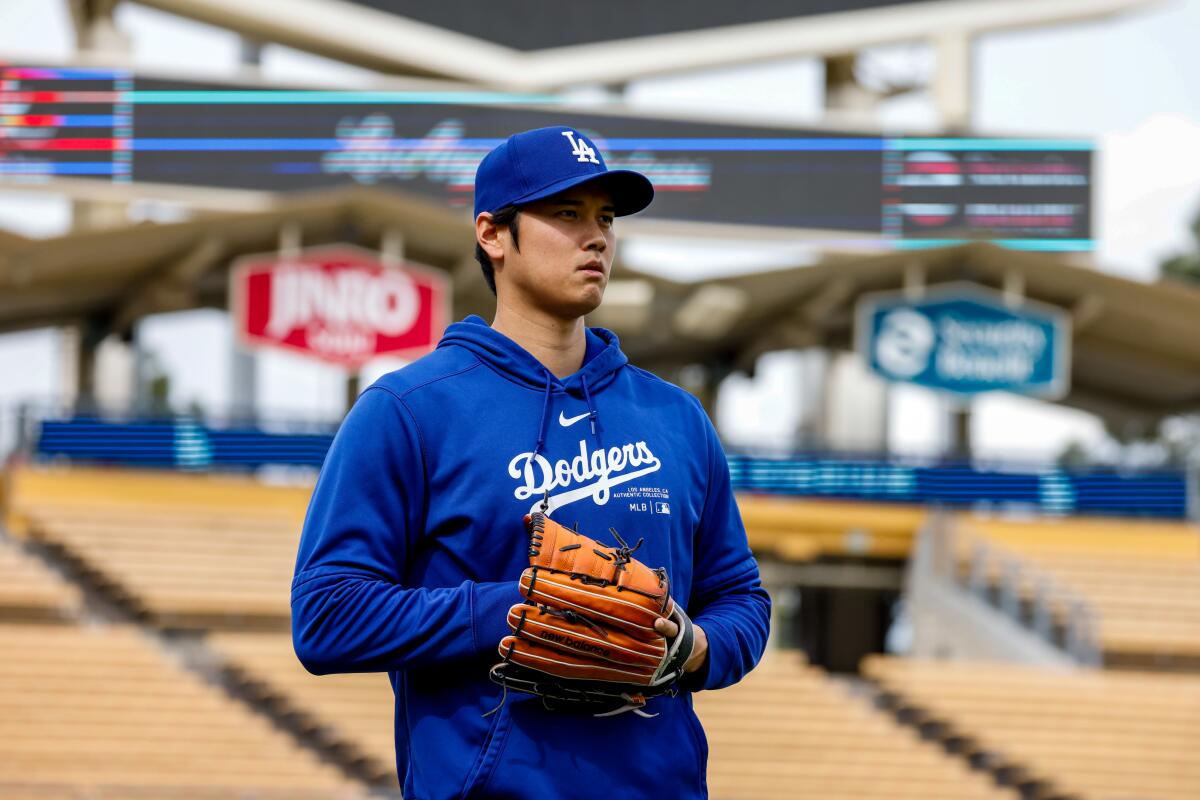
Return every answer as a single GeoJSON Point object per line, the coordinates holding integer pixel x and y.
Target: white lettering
{"type": "Point", "coordinates": [597, 471]}
{"type": "Point", "coordinates": [355, 301]}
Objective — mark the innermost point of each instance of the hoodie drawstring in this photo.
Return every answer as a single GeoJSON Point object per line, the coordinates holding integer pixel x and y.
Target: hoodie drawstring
{"type": "Point", "coordinates": [593, 414]}
{"type": "Point", "coordinates": [541, 440]}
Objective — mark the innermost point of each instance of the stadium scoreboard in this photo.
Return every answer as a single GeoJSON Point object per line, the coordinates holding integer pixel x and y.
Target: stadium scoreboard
{"type": "Point", "coordinates": [116, 126]}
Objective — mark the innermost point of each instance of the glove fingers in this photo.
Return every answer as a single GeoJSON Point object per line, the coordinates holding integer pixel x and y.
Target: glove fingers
{"type": "Point", "coordinates": [631, 612]}
{"type": "Point", "coordinates": [608, 644]}
{"type": "Point", "coordinates": [553, 547]}
{"type": "Point", "coordinates": [561, 664]}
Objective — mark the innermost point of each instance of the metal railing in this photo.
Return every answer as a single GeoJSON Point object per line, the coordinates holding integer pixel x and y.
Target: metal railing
{"type": "Point", "coordinates": [1025, 594]}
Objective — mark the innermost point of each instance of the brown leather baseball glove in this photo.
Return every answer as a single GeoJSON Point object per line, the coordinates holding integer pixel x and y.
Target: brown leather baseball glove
{"type": "Point", "coordinates": [584, 639]}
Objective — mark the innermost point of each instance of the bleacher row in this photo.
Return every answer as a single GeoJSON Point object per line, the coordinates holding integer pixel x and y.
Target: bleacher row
{"type": "Point", "coordinates": [104, 710]}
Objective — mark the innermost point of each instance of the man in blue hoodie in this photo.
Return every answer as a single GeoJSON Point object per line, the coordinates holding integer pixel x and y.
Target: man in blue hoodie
{"type": "Point", "coordinates": [414, 537]}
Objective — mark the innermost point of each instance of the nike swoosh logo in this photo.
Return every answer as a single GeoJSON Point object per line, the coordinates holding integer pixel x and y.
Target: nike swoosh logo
{"type": "Point", "coordinates": [567, 422]}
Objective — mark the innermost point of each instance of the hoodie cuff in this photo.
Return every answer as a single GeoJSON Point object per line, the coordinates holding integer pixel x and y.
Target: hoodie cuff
{"type": "Point", "coordinates": [713, 666]}
{"type": "Point", "coordinates": [489, 613]}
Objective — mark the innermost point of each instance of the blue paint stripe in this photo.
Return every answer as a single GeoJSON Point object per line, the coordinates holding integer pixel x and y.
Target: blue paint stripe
{"type": "Point", "coordinates": [1039, 245]}
{"type": "Point", "coordinates": [76, 168]}
{"type": "Point", "coordinates": [989, 144]}
{"type": "Point", "coordinates": [696, 145]}
{"type": "Point", "coordinates": [277, 97]}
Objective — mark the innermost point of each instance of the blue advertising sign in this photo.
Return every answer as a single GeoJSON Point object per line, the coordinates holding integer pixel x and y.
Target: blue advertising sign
{"type": "Point", "coordinates": [965, 339]}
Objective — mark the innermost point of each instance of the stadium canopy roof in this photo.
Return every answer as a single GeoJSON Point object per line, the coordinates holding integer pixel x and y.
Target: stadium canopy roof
{"type": "Point", "coordinates": [1135, 352]}
{"type": "Point", "coordinates": [1136, 356]}
{"type": "Point", "coordinates": [535, 45]}
{"type": "Point", "coordinates": [111, 278]}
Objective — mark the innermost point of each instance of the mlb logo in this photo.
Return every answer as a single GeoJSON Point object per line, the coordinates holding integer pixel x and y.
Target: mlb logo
{"type": "Point", "coordinates": [662, 508]}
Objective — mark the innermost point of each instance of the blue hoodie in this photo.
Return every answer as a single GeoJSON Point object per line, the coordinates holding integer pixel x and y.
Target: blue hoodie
{"type": "Point", "coordinates": [414, 540]}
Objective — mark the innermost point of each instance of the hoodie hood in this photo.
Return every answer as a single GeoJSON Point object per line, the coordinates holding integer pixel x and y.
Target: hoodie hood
{"type": "Point", "coordinates": [601, 362]}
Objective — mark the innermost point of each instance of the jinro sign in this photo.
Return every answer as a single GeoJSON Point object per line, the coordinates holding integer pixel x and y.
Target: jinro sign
{"type": "Point", "coordinates": [965, 339]}
{"type": "Point", "coordinates": [338, 303]}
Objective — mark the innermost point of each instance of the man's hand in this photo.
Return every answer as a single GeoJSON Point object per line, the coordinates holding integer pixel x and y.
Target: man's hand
{"type": "Point", "coordinates": [699, 650]}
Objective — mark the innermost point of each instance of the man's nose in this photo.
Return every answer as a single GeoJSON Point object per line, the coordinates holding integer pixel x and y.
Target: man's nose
{"type": "Point", "coordinates": [595, 238]}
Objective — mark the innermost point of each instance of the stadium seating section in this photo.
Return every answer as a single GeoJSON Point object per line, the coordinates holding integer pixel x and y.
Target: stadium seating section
{"type": "Point", "coordinates": [1142, 579]}
{"type": "Point", "coordinates": [103, 708]}
{"type": "Point", "coordinates": [796, 529]}
{"type": "Point", "coordinates": [29, 591]}
{"type": "Point", "coordinates": [354, 712]}
{"type": "Point", "coordinates": [789, 731]}
{"type": "Point", "coordinates": [180, 550]}
{"type": "Point", "coordinates": [199, 564]}
{"type": "Point", "coordinates": [1075, 733]}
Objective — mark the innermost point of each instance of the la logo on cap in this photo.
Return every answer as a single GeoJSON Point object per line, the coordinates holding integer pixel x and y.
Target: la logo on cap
{"type": "Point", "coordinates": [580, 148]}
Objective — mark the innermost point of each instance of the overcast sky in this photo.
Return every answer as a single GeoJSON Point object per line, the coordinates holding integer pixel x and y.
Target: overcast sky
{"type": "Point", "coordinates": [1128, 82]}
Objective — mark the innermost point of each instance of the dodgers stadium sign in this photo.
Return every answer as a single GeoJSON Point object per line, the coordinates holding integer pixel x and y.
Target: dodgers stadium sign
{"type": "Point", "coordinates": [965, 339]}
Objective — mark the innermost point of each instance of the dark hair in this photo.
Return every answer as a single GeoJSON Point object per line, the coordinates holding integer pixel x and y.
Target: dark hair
{"type": "Point", "coordinates": [505, 216]}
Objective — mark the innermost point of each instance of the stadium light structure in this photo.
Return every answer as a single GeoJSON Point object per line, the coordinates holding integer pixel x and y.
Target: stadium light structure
{"type": "Point", "coordinates": [637, 44]}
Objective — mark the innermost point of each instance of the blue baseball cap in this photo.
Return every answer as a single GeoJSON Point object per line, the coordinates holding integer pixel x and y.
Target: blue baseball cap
{"type": "Point", "coordinates": [536, 164]}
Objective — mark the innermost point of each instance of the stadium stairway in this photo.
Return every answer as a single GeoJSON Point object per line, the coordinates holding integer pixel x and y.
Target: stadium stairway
{"type": "Point", "coordinates": [177, 551]}
{"type": "Point", "coordinates": [790, 731]}
{"type": "Point", "coordinates": [1056, 734]}
{"type": "Point", "coordinates": [104, 711]}
{"type": "Point", "coordinates": [93, 550]}
{"type": "Point", "coordinates": [1139, 580]}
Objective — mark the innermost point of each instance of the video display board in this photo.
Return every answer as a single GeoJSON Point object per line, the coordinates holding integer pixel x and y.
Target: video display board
{"type": "Point", "coordinates": [116, 126]}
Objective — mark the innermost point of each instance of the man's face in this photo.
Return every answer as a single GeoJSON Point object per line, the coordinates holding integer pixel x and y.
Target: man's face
{"type": "Point", "coordinates": [565, 257]}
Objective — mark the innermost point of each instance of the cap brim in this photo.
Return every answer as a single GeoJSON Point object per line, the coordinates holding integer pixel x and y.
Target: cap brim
{"type": "Point", "coordinates": [631, 191]}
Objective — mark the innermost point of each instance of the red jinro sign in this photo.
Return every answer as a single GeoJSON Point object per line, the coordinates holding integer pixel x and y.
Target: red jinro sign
{"type": "Point", "coordinates": [340, 304]}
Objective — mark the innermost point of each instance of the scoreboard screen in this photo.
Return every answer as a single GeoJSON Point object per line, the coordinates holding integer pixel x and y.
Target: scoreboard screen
{"type": "Point", "coordinates": [905, 191]}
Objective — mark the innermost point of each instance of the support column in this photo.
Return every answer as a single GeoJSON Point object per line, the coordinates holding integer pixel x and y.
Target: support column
{"type": "Point", "coordinates": [353, 388]}
{"type": "Point", "coordinates": [243, 382]}
{"type": "Point", "coordinates": [96, 32]}
{"type": "Point", "coordinates": [960, 432]}
{"type": "Point", "coordinates": [843, 93]}
{"type": "Point", "coordinates": [953, 80]}
{"type": "Point", "coordinates": [84, 340]}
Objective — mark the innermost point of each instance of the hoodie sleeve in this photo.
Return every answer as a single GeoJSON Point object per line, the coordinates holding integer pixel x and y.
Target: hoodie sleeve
{"type": "Point", "coordinates": [727, 600]}
{"type": "Point", "coordinates": [351, 611]}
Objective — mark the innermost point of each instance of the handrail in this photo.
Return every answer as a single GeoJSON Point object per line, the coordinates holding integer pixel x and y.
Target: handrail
{"type": "Point", "coordinates": [997, 578]}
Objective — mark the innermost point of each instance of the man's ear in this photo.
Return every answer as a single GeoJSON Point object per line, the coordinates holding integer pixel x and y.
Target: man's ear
{"type": "Point", "coordinates": [487, 234]}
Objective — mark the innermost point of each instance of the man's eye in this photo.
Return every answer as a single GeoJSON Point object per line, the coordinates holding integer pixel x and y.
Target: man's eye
{"type": "Point", "coordinates": [569, 213]}
{"type": "Point", "coordinates": [606, 220]}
